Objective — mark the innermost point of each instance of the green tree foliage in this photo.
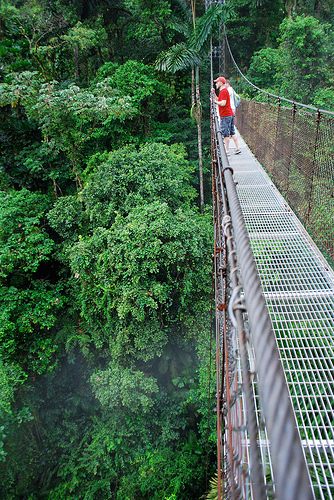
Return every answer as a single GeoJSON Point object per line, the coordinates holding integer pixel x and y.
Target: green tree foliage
{"type": "Point", "coordinates": [299, 68]}
{"type": "Point", "coordinates": [149, 26]}
{"type": "Point", "coordinates": [134, 248]}
{"type": "Point", "coordinates": [251, 25]}
{"type": "Point", "coordinates": [113, 260]}
{"type": "Point", "coordinates": [30, 300]}
{"type": "Point", "coordinates": [128, 177]}
{"type": "Point", "coordinates": [264, 68]}
{"type": "Point", "coordinates": [11, 377]}
{"type": "Point", "coordinates": [70, 123]}
{"type": "Point", "coordinates": [105, 262]}
{"type": "Point", "coordinates": [255, 24]}
{"type": "Point", "coordinates": [322, 10]}
{"type": "Point", "coordinates": [308, 46]}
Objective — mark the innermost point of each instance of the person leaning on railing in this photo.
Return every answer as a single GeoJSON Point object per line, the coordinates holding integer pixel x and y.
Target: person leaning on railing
{"type": "Point", "coordinates": [226, 114]}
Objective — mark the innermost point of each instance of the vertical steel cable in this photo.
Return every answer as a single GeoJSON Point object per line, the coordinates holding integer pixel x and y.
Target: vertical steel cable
{"type": "Point", "coordinates": [307, 217]}
{"type": "Point", "coordinates": [277, 144]}
{"type": "Point", "coordinates": [217, 245]}
{"type": "Point", "coordinates": [292, 136]}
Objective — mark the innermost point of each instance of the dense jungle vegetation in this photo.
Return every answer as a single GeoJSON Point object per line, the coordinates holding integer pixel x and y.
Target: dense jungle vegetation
{"type": "Point", "coordinates": [106, 234]}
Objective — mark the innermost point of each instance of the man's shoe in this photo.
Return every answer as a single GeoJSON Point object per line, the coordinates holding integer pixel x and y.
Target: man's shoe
{"type": "Point", "coordinates": [238, 151]}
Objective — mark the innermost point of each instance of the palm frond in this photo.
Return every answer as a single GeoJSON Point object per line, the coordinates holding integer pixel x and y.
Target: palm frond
{"type": "Point", "coordinates": [205, 26]}
{"type": "Point", "coordinates": [181, 27]}
{"type": "Point", "coordinates": [213, 491]}
{"type": "Point", "coordinates": [176, 58]}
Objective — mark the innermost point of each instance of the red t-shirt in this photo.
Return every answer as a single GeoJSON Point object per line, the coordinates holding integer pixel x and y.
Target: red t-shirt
{"type": "Point", "coordinates": [225, 110]}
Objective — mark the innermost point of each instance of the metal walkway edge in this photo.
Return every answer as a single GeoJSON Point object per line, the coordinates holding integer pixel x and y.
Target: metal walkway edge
{"type": "Point", "coordinates": [298, 286]}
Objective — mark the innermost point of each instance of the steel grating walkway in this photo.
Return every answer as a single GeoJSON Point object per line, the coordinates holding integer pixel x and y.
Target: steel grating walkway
{"type": "Point", "coordinates": [298, 287]}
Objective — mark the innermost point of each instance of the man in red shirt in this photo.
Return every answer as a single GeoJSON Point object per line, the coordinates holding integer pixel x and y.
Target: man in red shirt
{"type": "Point", "coordinates": [226, 114]}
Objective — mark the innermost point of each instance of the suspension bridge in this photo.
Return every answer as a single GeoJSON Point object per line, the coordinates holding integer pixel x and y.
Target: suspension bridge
{"type": "Point", "coordinates": [274, 298]}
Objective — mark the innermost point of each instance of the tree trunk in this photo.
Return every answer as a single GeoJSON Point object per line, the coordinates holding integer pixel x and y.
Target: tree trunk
{"type": "Point", "coordinates": [290, 7]}
{"type": "Point", "coordinates": [199, 140]}
{"type": "Point", "coordinates": [200, 165]}
{"type": "Point", "coordinates": [192, 87]}
{"type": "Point", "coordinates": [76, 61]}
{"type": "Point", "coordinates": [317, 7]}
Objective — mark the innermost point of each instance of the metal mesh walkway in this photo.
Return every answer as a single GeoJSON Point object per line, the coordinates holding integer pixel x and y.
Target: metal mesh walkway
{"type": "Point", "coordinates": [298, 286]}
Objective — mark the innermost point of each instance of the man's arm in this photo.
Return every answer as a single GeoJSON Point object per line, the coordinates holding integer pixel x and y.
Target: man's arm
{"type": "Point", "coordinates": [215, 99]}
{"type": "Point", "coordinates": [221, 103]}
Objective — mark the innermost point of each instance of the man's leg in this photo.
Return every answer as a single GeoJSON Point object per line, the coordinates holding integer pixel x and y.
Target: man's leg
{"type": "Point", "coordinates": [227, 144]}
{"type": "Point", "coordinates": [234, 137]}
{"type": "Point", "coordinates": [225, 128]}
{"type": "Point", "coordinates": [236, 141]}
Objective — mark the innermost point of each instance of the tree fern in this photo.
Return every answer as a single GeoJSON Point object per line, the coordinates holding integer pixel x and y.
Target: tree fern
{"type": "Point", "coordinates": [178, 57]}
{"type": "Point", "coordinates": [213, 489]}
{"type": "Point", "coordinates": [205, 26]}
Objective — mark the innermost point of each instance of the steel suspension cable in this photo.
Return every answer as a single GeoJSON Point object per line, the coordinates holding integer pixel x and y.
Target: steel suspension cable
{"type": "Point", "coordinates": [236, 315]}
{"type": "Point", "coordinates": [209, 377]}
{"type": "Point", "coordinates": [295, 103]}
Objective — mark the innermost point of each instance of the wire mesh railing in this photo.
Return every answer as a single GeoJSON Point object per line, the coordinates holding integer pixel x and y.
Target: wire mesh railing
{"type": "Point", "coordinates": [295, 144]}
{"type": "Point", "coordinates": [297, 149]}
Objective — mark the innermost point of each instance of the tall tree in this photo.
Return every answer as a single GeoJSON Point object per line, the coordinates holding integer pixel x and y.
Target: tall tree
{"type": "Point", "coordinates": [190, 54]}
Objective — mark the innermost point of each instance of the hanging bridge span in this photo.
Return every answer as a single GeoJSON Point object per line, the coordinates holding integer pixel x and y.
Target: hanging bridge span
{"type": "Point", "coordinates": [274, 301]}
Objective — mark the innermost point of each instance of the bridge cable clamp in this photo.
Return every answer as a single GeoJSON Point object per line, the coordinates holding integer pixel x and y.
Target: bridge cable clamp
{"type": "Point", "coordinates": [226, 223]}
{"type": "Point", "coordinates": [235, 303]}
